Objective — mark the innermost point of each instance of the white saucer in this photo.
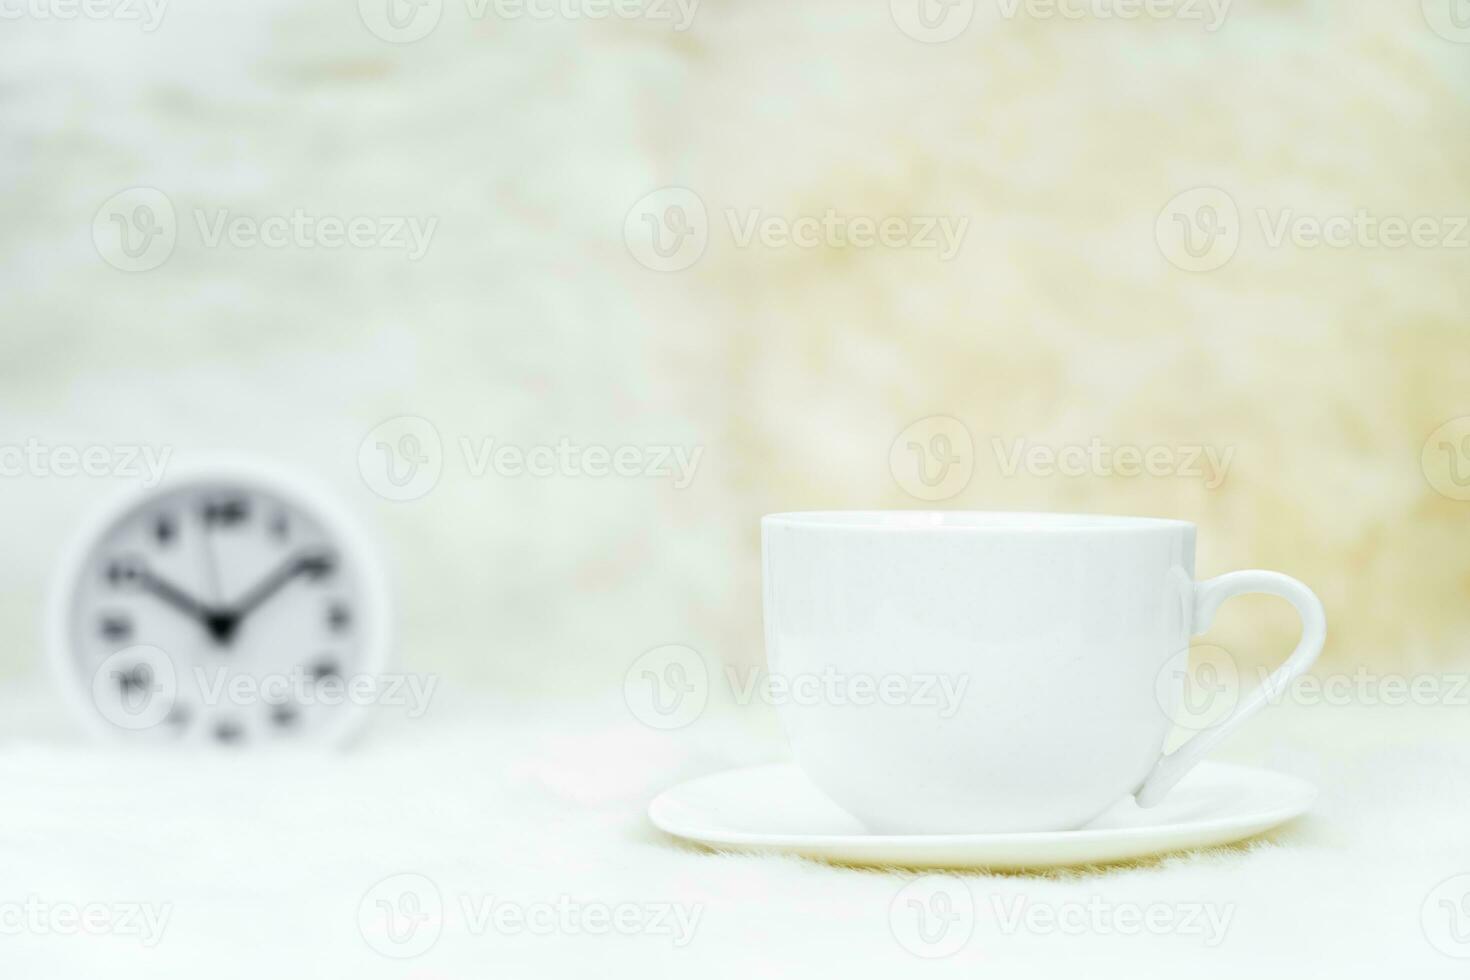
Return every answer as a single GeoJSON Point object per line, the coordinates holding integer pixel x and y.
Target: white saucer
{"type": "Point", "coordinates": [776, 809]}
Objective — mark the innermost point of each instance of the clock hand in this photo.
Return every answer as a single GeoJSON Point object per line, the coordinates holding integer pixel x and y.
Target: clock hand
{"type": "Point", "coordinates": [211, 559]}
{"type": "Point", "coordinates": [314, 563]}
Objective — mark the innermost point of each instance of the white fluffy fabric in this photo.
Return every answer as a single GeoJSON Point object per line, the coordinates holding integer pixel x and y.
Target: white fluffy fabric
{"type": "Point", "coordinates": [264, 861]}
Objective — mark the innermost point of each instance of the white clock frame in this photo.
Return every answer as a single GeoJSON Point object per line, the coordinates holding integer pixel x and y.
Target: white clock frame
{"type": "Point", "coordinates": [372, 614]}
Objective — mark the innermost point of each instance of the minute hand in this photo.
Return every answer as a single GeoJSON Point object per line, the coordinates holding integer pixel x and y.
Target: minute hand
{"type": "Point", "coordinates": [313, 563]}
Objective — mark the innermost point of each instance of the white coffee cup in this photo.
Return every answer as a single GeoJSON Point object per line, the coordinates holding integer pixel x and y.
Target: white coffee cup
{"type": "Point", "coordinates": [1047, 633]}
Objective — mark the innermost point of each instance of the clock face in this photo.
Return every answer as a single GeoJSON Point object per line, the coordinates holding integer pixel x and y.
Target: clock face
{"type": "Point", "coordinates": [222, 611]}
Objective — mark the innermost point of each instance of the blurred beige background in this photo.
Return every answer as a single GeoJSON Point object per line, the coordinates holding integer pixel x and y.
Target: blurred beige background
{"type": "Point", "coordinates": [1137, 268]}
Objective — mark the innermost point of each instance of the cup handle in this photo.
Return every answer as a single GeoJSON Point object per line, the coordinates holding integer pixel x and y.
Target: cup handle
{"type": "Point", "coordinates": [1208, 597]}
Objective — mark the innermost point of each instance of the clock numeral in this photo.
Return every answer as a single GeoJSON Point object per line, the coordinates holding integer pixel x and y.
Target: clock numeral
{"type": "Point", "coordinates": [339, 617]}
{"type": "Point", "coordinates": [124, 572]}
{"type": "Point", "coordinates": [165, 530]}
{"type": "Point", "coordinates": [325, 668]}
{"type": "Point", "coordinates": [319, 567]}
{"type": "Point", "coordinates": [228, 731]}
{"type": "Point", "coordinates": [284, 715]}
{"type": "Point", "coordinates": [226, 512]}
{"type": "Point", "coordinates": [280, 527]}
{"type": "Point", "coordinates": [116, 627]}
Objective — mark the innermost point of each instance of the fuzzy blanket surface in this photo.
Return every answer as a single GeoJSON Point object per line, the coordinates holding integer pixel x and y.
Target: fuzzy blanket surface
{"type": "Point", "coordinates": [526, 826]}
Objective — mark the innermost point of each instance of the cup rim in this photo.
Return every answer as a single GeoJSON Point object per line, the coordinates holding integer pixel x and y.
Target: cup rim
{"type": "Point", "coordinates": [971, 521]}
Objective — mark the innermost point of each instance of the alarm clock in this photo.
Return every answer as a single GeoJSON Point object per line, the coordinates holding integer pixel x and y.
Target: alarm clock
{"type": "Point", "coordinates": [234, 604]}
